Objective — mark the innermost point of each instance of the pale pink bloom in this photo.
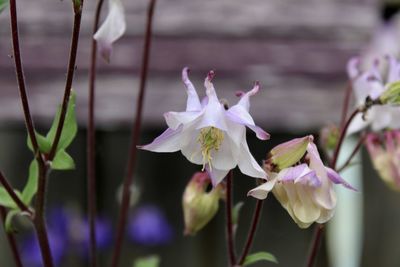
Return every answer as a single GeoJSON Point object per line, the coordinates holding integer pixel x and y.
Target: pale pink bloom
{"type": "Point", "coordinates": [112, 29]}
{"type": "Point", "coordinates": [372, 83]}
{"type": "Point", "coordinates": [384, 151]}
{"type": "Point", "coordinates": [207, 134]}
{"type": "Point", "coordinates": [304, 189]}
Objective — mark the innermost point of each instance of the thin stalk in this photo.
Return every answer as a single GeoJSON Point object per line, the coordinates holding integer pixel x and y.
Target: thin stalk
{"type": "Point", "coordinates": [21, 205]}
{"type": "Point", "coordinates": [252, 230]}
{"type": "Point", "coordinates": [355, 150]}
{"type": "Point", "coordinates": [346, 102]}
{"type": "Point", "coordinates": [136, 128]}
{"type": "Point", "coordinates": [11, 240]}
{"type": "Point", "coordinates": [229, 225]}
{"type": "Point", "coordinates": [316, 245]}
{"type": "Point", "coordinates": [21, 80]}
{"type": "Point", "coordinates": [70, 74]}
{"type": "Point", "coordinates": [91, 144]}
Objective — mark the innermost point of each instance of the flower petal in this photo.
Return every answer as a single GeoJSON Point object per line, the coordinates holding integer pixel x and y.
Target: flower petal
{"type": "Point", "coordinates": [193, 101]}
{"type": "Point", "coordinates": [261, 191]}
{"type": "Point", "coordinates": [216, 175]}
{"type": "Point", "coordinates": [337, 179]}
{"type": "Point", "coordinates": [169, 141]}
{"type": "Point", "coordinates": [174, 119]}
{"type": "Point", "coordinates": [358, 123]}
{"type": "Point", "coordinates": [112, 28]}
{"type": "Point", "coordinates": [248, 165]}
{"type": "Point", "coordinates": [353, 67]}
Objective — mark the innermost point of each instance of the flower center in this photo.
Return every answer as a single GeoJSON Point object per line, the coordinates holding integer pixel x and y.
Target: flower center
{"type": "Point", "coordinates": [210, 139]}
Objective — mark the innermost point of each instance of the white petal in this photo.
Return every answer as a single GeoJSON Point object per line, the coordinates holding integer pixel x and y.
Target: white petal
{"type": "Point", "coordinates": [381, 117]}
{"type": "Point", "coordinates": [169, 141]}
{"type": "Point", "coordinates": [226, 157]}
{"type": "Point", "coordinates": [248, 165]}
{"type": "Point", "coordinates": [213, 116]}
{"type": "Point", "coordinates": [216, 175]}
{"type": "Point", "coordinates": [353, 67]}
{"type": "Point", "coordinates": [358, 124]}
{"type": "Point", "coordinates": [174, 119]}
{"type": "Point", "coordinates": [193, 101]}
{"type": "Point", "coordinates": [112, 28]}
{"type": "Point", "coordinates": [191, 149]}
{"type": "Point", "coordinates": [261, 191]}
{"type": "Point", "coordinates": [305, 209]}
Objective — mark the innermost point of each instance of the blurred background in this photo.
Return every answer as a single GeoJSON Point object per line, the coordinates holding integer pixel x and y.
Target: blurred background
{"type": "Point", "coordinates": [298, 50]}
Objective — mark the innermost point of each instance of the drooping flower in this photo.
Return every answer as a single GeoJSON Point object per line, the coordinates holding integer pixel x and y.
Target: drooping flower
{"type": "Point", "coordinates": [372, 84]}
{"type": "Point", "coordinates": [112, 29]}
{"type": "Point", "coordinates": [305, 186]}
{"type": "Point", "coordinates": [148, 226]}
{"type": "Point", "coordinates": [384, 150]}
{"type": "Point", "coordinates": [200, 205]}
{"type": "Point", "coordinates": [207, 134]}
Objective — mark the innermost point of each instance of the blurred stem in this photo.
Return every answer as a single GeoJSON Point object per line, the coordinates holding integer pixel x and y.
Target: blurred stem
{"type": "Point", "coordinates": [11, 240]}
{"type": "Point", "coordinates": [136, 128]}
{"type": "Point", "coordinates": [252, 230]}
{"type": "Point", "coordinates": [78, 5]}
{"type": "Point", "coordinates": [7, 186]}
{"type": "Point", "coordinates": [355, 150]}
{"type": "Point", "coordinates": [346, 102]}
{"type": "Point", "coordinates": [316, 244]}
{"type": "Point", "coordinates": [91, 144]}
{"type": "Point", "coordinates": [229, 225]}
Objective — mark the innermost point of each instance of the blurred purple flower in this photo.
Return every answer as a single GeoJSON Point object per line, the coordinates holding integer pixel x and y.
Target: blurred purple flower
{"type": "Point", "coordinates": [149, 227]}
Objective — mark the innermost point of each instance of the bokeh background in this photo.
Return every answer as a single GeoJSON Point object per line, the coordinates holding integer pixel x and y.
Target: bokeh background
{"type": "Point", "coordinates": [298, 50]}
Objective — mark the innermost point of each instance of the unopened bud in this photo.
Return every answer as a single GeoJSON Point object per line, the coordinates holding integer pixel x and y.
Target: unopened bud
{"type": "Point", "coordinates": [329, 137]}
{"type": "Point", "coordinates": [200, 205]}
{"type": "Point", "coordinates": [289, 153]}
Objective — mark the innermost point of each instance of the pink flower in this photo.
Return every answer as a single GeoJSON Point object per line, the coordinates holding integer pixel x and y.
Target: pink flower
{"type": "Point", "coordinates": [208, 134]}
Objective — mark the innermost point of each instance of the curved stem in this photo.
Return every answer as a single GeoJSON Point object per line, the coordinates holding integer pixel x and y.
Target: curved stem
{"type": "Point", "coordinates": [346, 102]}
{"type": "Point", "coordinates": [252, 230]}
{"type": "Point", "coordinates": [136, 128]}
{"type": "Point", "coordinates": [7, 186]}
{"type": "Point", "coordinates": [229, 226]}
{"type": "Point", "coordinates": [70, 75]}
{"type": "Point", "coordinates": [91, 144]}
{"type": "Point", "coordinates": [355, 150]}
{"type": "Point", "coordinates": [11, 240]}
{"type": "Point", "coordinates": [315, 245]}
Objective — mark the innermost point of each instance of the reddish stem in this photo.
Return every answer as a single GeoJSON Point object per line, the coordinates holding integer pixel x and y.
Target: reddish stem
{"type": "Point", "coordinates": [136, 128]}
{"type": "Point", "coordinates": [91, 144]}
{"type": "Point", "coordinates": [11, 240]}
{"type": "Point", "coordinates": [316, 245]}
{"type": "Point", "coordinates": [229, 224]}
{"type": "Point", "coordinates": [346, 102]}
{"type": "Point", "coordinates": [355, 150]}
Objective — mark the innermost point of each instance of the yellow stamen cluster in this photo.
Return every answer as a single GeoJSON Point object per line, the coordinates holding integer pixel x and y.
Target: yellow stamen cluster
{"type": "Point", "coordinates": [210, 139]}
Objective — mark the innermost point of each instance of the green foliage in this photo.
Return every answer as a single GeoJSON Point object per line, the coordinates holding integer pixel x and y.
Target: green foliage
{"type": "Point", "coordinates": [44, 144]}
{"type": "Point", "coordinates": [31, 186]}
{"type": "Point", "coordinates": [259, 256]}
{"type": "Point", "coordinates": [150, 261]}
{"type": "Point", "coordinates": [62, 161]}
{"type": "Point", "coordinates": [3, 5]}
{"type": "Point", "coordinates": [8, 222]}
{"type": "Point", "coordinates": [236, 211]}
{"type": "Point", "coordinates": [6, 200]}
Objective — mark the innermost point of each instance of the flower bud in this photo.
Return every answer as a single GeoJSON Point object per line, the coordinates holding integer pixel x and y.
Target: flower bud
{"type": "Point", "coordinates": [289, 153]}
{"type": "Point", "coordinates": [329, 136]}
{"type": "Point", "coordinates": [200, 205]}
{"type": "Point", "coordinates": [391, 96]}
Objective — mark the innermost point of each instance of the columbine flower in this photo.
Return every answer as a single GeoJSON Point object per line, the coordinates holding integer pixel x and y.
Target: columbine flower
{"type": "Point", "coordinates": [112, 28]}
{"type": "Point", "coordinates": [305, 188]}
{"type": "Point", "coordinates": [207, 134]}
{"type": "Point", "coordinates": [385, 155]}
{"type": "Point", "coordinates": [373, 84]}
{"type": "Point", "coordinates": [200, 205]}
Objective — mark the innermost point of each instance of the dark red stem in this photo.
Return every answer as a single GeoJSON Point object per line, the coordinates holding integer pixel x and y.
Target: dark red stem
{"type": "Point", "coordinates": [315, 245]}
{"type": "Point", "coordinates": [7, 186]}
{"type": "Point", "coordinates": [70, 75]}
{"type": "Point", "coordinates": [346, 102]}
{"type": "Point", "coordinates": [355, 150]}
{"type": "Point", "coordinates": [252, 231]}
{"type": "Point", "coordinates": [11, 240]}
{"type": "Point", "coordinates": [229, 225]}
{"type": "Point", "coordinates": [91, 144]}
{"type": "Point", "coordinates": [136, 128]}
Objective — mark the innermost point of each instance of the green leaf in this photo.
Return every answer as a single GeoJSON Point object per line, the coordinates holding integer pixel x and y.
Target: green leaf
{"type": "Point", "coordinates": [259, 256]}
{"type": "Point", "coordinates": [8, 222]}
{"type": "Point", "coordinates": [70, 127]}
{"type": "Point", "coordinates": [6, 200]}
{"type": "Point", "coordinates": [150, 261]}
{"type": "Point", "coordinates": [44, 144]}
{"type": "Point", "coordinates": [236, 211]}
{"type": "Point", "coordinates": [31, 186]}
{"type": "Point", "coordinates": [3, 5]}
{"type": "Point", "coordinates": [62, 161]}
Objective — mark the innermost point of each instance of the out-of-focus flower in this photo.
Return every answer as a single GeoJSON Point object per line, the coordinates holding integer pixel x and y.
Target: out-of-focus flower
{"type": "Point", "coordinates": [384, 150]}
{"type": "Point", "coordinates": [112, 28]}
{"type": "Point", "coordinates": [371, 84]}
{"type": "Point", "coordinates": [200, 206]}
{"type": "Point", "coordinates": [328, 138]}
{"type": "Point", "coordinates": [209, 135]}
{"type": "Point", "coordinates": [149, 227]}
{"type": "Point", "coordinates": [305, 189]}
